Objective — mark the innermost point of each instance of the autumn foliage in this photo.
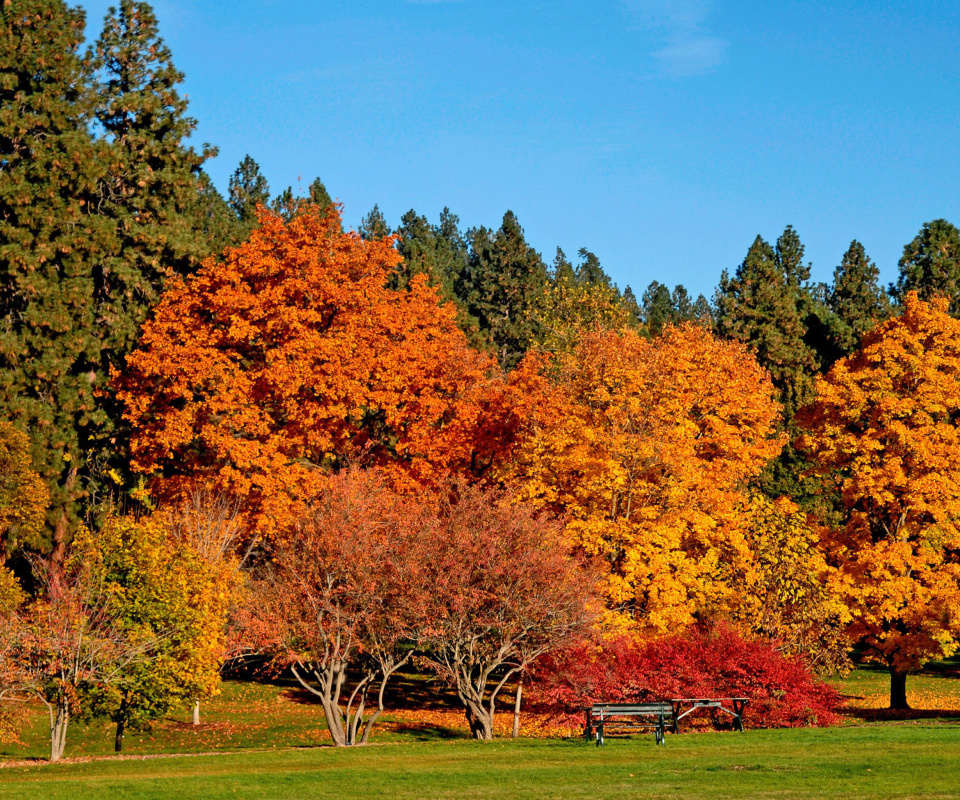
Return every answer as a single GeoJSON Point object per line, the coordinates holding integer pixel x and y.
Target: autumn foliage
{"type": "Point", "coordinates": [697, 663]}
{"type": "Point", "coordinates": [647, 449]}
{"type": "Point", "coordinates": [884, 429]}
{"type": "Point", "coordinates": [290, 358]}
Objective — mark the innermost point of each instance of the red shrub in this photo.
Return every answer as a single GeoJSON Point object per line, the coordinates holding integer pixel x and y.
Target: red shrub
{"type": "Point", "coordinates": [698, 663]}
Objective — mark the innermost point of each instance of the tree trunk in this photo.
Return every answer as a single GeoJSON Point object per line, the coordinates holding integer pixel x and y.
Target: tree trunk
{"type": "Point", "coordinates": [481, 723]}
{"type": "Point", "coordinates": [118, 739]}
{"type": "Point", "coordinates": [516, 709]}
{"type": "Point", "coordinates": [196, 712]}
{"type": "Point", "coordinates": [898, 689]}
{"type": "Point", "coordinates": [59, 720]}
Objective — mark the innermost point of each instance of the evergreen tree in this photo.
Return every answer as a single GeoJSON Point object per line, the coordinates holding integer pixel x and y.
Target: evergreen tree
{"type": "Point", "coordinates": [762, 306]}
{"type": "Point", "coordinates": [154, 177]}
{"type": "Point", "coordinates": [856, 298]}
{"type": "Point", "coordinates": [589, 270]}
{"type": "Point", "coordinates": [56, 326]}
{"type": "Point", "coordinates": [930, 265]}
{"type": "Point", "coordinates": [561, 271]}
{"type": "Point", "coordinates": [285, 204]}
{"type": "Point", "coordinates": [682, 305]}
{"type": "Point", "coordinates": [248, 189]}
{"type": "Point", "coordinates": [318, 193]}
{"type": "Point", "coordinates": [656, 307]}
{"type": "Point", "coordinates": [427, 251]}
{"type": "Point", "coordinates": [703, 313]}
{"type": "Point", "coordinates": [632, 307]}
{"type": "Point", "coordinates": [374, 225]}
{"type": "Point", "coordinates": [502, 287]}
{"type": "Point", "coordinates": [214, 219]}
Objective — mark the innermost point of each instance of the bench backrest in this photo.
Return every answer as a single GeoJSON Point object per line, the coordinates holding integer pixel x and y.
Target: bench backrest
{"type": "Point", "coordinates": [608, 709]}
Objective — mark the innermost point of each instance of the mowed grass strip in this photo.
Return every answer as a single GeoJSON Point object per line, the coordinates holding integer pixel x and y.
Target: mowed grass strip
{"type": "Point", "coordinates": [895, 761]}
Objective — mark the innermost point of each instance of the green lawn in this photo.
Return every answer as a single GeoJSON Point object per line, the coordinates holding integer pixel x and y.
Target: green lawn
{"type": "Point", "coordinates": [916, 760]}
{"type": "Point", "coordinates": [268, 741]}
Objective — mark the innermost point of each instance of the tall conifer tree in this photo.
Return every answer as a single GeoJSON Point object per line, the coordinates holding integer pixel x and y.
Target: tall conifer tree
{"type": "Point", "coordinates": [930, 265]}
{"type": "Point", "coordinates": [155, 176]}
{"type": "Point", "coordinates": [502, 286]}
{"type": "Point", "coordinates": [856, 298]}
{"type": "Point", "coordinates": [761, 305]}
{"type": "Point", "coordinates": [56, 329]}
{"type": "Point", "coordinates": [248, 188]}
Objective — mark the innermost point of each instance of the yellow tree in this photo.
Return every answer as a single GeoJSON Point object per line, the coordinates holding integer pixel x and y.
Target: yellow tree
{"type": "Point", "coordinates": [646, 447]}
{"type": "Point", "coordinates": [792, 594]}
{"type": "Point", "coordinates": [23, 494]}
{"type": "Point", "coordinates": [884, 426]}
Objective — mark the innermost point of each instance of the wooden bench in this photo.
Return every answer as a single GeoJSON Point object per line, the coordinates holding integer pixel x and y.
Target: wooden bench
{"type": "Point", "coordinates": [657, 715]}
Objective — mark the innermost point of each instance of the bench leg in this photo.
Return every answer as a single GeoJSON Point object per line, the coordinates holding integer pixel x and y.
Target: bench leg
{"type": "Point", "coordinates": [600, 735]}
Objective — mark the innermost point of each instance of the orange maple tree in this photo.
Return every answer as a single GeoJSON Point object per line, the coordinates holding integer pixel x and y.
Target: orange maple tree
{"type": "Point", "coordinates": [884, 427]}
{"type": "Point", "coordinates": [269, 370]}
{"type": "Point", "coordinates": [646, 447]}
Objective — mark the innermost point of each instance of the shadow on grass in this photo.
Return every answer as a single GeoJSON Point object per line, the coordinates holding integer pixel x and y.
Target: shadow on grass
{"type": "Point", "coordinates": [892, 714]}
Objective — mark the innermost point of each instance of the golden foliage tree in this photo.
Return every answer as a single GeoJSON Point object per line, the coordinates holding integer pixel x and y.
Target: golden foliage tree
{"type": "Point", "coordinates": [791, 593]}
{"type": "Point", "coordinates": [645, 446]}
{"type": "Point", "coordinates": [884, 427]}
{"type": "Point", "coordinates": [23, 493]}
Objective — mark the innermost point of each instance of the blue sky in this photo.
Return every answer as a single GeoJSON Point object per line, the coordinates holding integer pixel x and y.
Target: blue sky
{"type": "Point", "coordinates": [661, 134]}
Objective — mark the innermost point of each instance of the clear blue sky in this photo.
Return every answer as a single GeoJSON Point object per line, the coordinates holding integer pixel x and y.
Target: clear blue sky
{"type": "Point", "coordinates": [661, 134]}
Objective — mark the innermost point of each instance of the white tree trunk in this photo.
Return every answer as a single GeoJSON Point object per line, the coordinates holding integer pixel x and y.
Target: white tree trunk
{"type": "Point", "coordinates": [196, 712]}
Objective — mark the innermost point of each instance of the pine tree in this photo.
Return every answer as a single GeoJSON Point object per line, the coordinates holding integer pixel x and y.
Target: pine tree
{"type": "Point", "coordinates": [930, 265]}
{"type": "Point", "coordinates": [589, 270]}
{"type": "Point", "coordinates": [762, 306]}
{"type": "Point", "coordinates": [56, 326]}
{"type": "Point", "coordinates": [656, 307]}
{"type": "Point", "coordinates": [214, 219]}
{"type": "Point", "coordinates": [502, 287]}
{"type": "Point", "coordinates": [374, 225]}
{"type": "Point", "coordinates": [561, 270]}
{"type": "Point", "coordinates": [632, 307]}
{"type": "Point", "coordinates": [248, 189]}
{"type": "Point", "coordinates": [682, 305]}
{"type": "Point", "coordinates": [285, 204]}
{"type": "Point", "coordinates": [440, 253]}
{"type": "Point", "coordinates": [154, 175]}
{"type": "Point", "coordinates": [318, 193]}
{"type": "Point", "coordinates": [856, 298]}
{"type": "Point", "coordinates": [703, 313]}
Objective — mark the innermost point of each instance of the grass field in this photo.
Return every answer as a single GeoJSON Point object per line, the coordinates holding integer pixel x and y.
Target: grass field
{"type": "Point", "coordinates": [268, 741]}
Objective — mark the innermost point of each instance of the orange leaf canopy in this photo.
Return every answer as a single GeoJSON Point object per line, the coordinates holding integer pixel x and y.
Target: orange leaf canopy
{"type": "Point", "coordinates": [290, 358]}
{"type": "Point", "coordinates": [884, 426]}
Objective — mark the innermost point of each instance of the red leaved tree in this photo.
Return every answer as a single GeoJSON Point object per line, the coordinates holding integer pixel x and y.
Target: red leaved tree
{"type": "Point", "coordinates": [503, 593]}
{"type": "Point", "coordinates": [344, 598]}
{"type": "Point", "coordinates": [696, 663]}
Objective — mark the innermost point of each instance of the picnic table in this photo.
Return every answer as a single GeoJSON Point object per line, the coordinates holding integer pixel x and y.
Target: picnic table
{"type": "Point", "coordinates": [657, 715]}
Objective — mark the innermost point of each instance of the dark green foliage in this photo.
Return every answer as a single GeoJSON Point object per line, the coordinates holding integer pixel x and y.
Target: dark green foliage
{"type": "Point", "coordinates": [561, 270]}
{"type": "Point", "coordinates": [318, 193]}
{"type": "Point", "coordinates": [656, 308]}
{"type": "Point", "coordinates": [374, 225]}
{"type": "Point", "coordinates": [502, 287]}
{"type": "Point", "coordinates": [765, 305]}
{"type": "Point", "coordinates": [702, 313]}
{"type": "Point", "coordinates": [57, 320]}
{"type": "Point", "coordinates": [248, 189]}
{"type": "Point", "coordinates": [632, 306]}
{"type": "Point", "coordinates": [214, 220]}
{"type": "Point", "coordinates": [589, 270]}
{"type": "Point", "coordinates": [930, 265]}
{"type": "Point", "coordinates": [856, 299]}
{"type": "Point", "coordinates": [154, 175]}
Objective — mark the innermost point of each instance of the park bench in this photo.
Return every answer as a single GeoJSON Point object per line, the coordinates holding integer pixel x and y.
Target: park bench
{"type": "Point", "coordinates": [712, 704]}
{"type": "Point", "coordinates": [602, 717]}
{"type": "Point", "coordinates": [657, 715]}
